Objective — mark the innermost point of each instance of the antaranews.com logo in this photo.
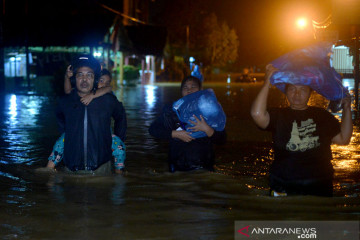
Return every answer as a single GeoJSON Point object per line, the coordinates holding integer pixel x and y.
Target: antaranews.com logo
{"type": "Point", "coordinates": [302, 233]}
{"type": "Point", "coordinates": [297, 230]}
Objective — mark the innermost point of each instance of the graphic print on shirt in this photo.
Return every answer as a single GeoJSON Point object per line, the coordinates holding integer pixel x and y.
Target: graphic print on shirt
{"type": "Point", "coordinates": [302, 138]}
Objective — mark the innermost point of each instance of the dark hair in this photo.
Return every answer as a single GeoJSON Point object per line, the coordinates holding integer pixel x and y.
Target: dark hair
{"type": "Point", "coordinates": [191, 78]}
{"type": "Point", "coordinates": [86, 61]}
{"type": "Point", "coordinates": [104, 72]}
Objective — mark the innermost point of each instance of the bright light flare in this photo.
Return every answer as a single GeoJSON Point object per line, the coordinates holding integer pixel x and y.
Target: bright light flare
{"type": "Point", "coordinates": [97, 54]}
{"type": "Point", "coordinates": [301, 23]}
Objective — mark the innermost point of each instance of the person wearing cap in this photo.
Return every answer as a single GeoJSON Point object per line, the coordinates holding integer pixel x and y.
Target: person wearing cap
{"type": "Point", "coordinates": [118, 147]}
{"type": "Point", "coordinates": [87, 148]}
{"type": "Point", "coordinates": [101, 90]}
{"type": "Point", "coordinates": [302, 138]}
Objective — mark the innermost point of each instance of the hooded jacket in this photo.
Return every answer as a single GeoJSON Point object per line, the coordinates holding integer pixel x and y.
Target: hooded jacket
{"type": "Point", "coordinates": [88, 129]}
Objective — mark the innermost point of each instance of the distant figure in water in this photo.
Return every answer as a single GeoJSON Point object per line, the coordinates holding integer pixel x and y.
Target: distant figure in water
{"type": "Point", "coordinates": [86, 123]}
{"type": "Point", "coordinates": [197, 73]}
{"type": "Point", "coordinates": [302, 136]}
{"type": "Point", "coordinates": [186, 152]}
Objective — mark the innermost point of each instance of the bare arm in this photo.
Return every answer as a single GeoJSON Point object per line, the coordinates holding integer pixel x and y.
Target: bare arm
{"type": "Point", "coordinates": [103, 91]}
{"type": "Point", "coordinates": [259, 111]}
{"type": "Point", "coordinates": [346, 127]}
{"type": "Point", "coordinates": [86, 100]}
{"type": "Point", "coordinates": [67, 83]}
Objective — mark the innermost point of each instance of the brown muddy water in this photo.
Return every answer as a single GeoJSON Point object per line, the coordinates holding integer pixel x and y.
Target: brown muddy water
{"type": "Point", "coordinates": [147, 202]}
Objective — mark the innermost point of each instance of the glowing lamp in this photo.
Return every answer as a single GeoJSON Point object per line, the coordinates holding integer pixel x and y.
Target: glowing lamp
{"type": "Point", "coordinates": [301, 23]}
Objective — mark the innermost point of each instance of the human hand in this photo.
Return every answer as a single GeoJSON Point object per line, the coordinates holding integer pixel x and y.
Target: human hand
{"type": "Point", "coordinates": [201, 125]}
{"type": "Point", "coordinates": [182, 135]}
{"type": "Point", "coordinates": [119, 171]}
{"type": "Point", "coordinates": [86, 100]}
{"type": "Point", "coordinates": [346, 103]}
{"type": "Point", "coordinates": [69, 72]}
{"type": "Point", "coordinates": [270, 69]}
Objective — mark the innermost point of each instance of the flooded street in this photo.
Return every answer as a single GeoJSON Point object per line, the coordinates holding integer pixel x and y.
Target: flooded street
{"type": "Point", "coordinates": [148, 202]}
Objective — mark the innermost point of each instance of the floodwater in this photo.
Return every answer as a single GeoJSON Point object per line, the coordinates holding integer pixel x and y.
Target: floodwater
{"type": "Point", "coordinates": [147, 202]}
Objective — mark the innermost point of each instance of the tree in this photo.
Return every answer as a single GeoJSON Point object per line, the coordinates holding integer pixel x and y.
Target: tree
{"type": "Point", "coordinates": [211, 43]}
{"type": "Point", "coordinates": [221, 43]}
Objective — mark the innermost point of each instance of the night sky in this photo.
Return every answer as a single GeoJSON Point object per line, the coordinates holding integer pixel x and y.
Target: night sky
{"type": "Point", "coordinates": [265, 27]}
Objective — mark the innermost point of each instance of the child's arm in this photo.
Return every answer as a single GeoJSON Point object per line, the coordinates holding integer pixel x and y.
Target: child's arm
{"type": "Point", "coordinates": [67, 84]}
{"type": "Point", "coordinates": [86, 100]}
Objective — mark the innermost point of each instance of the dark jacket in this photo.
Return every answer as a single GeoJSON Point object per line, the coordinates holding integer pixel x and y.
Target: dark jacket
{"type": "Point", "coordinates": [88, 129]}
{"type": "Point", "coordinates": [183, 156]}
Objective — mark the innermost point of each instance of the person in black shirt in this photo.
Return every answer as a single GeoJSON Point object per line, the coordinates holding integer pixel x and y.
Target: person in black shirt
{"type": "Point", "coordinates": [187, 153]}
{"type": "Point", "coordinates": [302, 136]}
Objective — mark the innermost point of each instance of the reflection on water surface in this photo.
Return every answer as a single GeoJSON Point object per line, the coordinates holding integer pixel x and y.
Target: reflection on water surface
{"type": "Point", "coordinates": [148, 202]}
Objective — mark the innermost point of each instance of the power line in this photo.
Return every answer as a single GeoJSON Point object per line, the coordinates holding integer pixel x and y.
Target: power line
{"type": "Point", "coordinates": [121, 14]}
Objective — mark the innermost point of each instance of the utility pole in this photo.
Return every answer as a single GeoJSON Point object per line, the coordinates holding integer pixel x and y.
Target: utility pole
{"type": "Point", "coordinates": [357, 71]}
{"type": "Point", "coordinates": [187, 41]}
{"type": "Point", "coordinates": [27, 45]}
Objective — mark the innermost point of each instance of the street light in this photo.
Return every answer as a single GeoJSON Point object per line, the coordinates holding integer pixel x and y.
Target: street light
{"type": "Point", "coordinates": [301, 23]}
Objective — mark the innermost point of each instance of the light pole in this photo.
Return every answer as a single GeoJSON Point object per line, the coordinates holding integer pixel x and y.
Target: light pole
{"type": "Point", "coordinates": [357, 70]}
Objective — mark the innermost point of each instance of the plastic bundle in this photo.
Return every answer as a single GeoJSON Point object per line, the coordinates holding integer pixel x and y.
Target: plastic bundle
{"type": "Point", "coordinates": [310, 66]}
{"type": "Point", "coordinates": [197, 73]}
{"type": "Point", "coordinates": [203, 103]}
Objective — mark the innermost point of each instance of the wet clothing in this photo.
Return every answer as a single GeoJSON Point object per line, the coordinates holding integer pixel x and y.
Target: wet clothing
{"type": "Point", "coordinates": [57, 153]}
{"type": "Point", "coordinates": [103, 170]}
{"type": "Point", "coordinates": [118, 149]}
{"type": "Point", "coordinates": [315, 187]}
{"type": "Point", "coordinates": [184, 156]}
{"type": "Point", "coordinates": [301, 142]}
{"type": "Point", "coordinates": [87, 129]}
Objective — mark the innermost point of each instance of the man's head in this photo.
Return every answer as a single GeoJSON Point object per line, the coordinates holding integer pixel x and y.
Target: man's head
{"type": "Point", "coordinates": [298, 96]}
{"type": "Point", "coordinates": [190, 85]}
{"type": "Point", "coordinates": [84, 80]}
{"type": "Point", "coordinates": [105, 78]}
{"type": "Point", "coordinates": [86, 74]}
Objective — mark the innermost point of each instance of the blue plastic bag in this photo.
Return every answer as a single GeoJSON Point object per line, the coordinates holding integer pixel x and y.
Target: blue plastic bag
{"type": "Point", "coordinates": [203, 103]}
{"type": "Point", "coordinates": [197, 73]}
{"type": "Point", "coordinates": [310, 66]}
